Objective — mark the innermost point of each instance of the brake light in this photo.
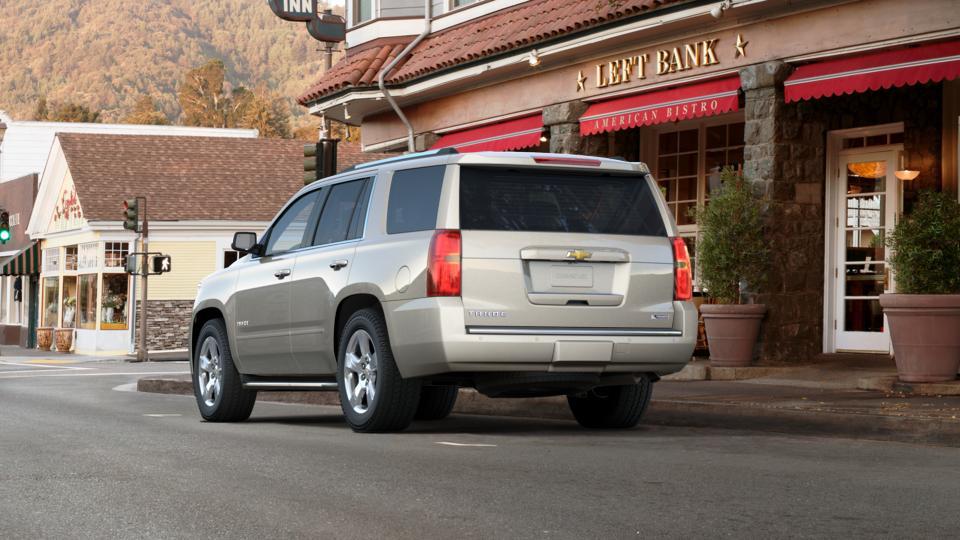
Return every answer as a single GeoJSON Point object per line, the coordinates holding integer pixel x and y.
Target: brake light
{"type": "Point", "coordinates": [443, 264]}
{"type": "Point", "coordinates": [581, 162]}
{"type": "Point", "coordinates": [682, 273]}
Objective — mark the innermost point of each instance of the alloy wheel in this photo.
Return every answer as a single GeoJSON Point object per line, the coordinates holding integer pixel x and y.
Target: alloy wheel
{"type": "Point", "coordinates": [210, 371]}
{"type": "Point", "coordinates": [360, 371]}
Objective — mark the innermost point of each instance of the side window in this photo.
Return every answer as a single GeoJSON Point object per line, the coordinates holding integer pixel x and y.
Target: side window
{"type": "Point", "coordinates": [289, 231]}
{"type": "Point", "coordinates": [338, 213]}
{"type": "Point", "coordinates": [414, 198]}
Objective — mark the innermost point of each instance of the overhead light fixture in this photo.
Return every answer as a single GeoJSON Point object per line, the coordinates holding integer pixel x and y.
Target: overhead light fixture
{"type": "Point", "coordinates": [718, 10]}
{"type": "Point", "coordinates": [905, 174]}
{"type": "Point", "coordinates": [346, 113]}
{"type": "Point", "coordinates": [533, 58]}
{"type": "Point", "coordinates": [544, 137]}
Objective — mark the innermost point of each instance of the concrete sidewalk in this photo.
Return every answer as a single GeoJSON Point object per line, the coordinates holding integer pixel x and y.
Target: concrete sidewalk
{"type": "Point", "coordinates": [816, 399]}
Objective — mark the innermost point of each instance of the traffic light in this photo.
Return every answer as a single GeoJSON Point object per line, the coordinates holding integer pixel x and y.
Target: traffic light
{"type": "Point", "coordinates": [310, 165]}
{"type": "Point", "coordinates": [4, 227]}
{"type": "Point", "coordinates": [131, 214]}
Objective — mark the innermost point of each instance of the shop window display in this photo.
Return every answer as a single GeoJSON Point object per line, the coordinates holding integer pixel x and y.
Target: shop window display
{"type": "Point", "coordinates": [113, 313]}
{"type": "Point", "coordinates": [51, 297]}
{"type": "Point", "coordinates": [69, 302]}
{"type": "Point", "coordinates": [87, 301]}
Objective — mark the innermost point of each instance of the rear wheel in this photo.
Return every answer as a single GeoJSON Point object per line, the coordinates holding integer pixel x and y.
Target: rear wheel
{"type": "Point", "coordinates": [373, 395]}
{"type": "Point", "coordinates": [436, 402]}
{"type": "Point", "coordinates": [216, 382]}
{"type": "Point", "coordinates": [612, 407]}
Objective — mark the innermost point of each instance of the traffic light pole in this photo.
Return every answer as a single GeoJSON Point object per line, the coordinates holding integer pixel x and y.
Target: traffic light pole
{"type": "Point", "coordinates": [142, 355]}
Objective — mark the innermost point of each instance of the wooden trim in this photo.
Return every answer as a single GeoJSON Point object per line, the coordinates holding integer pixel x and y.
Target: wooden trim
{"type": "Point", "coordinates": [949, 136]}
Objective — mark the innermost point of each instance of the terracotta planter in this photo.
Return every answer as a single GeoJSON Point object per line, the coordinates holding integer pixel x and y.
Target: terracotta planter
{"type": "Point", "coordinates": [925, 331]}
{"type": "Point", "coordinates": [44, 338]}
{"type": "Point", "coordinates": [64, 339]}
{"type": "Point", "coordinates": [732, 331]}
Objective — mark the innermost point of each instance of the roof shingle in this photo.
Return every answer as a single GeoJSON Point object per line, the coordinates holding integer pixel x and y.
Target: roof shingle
{"type": "Point", "coordinates": [522, 26]}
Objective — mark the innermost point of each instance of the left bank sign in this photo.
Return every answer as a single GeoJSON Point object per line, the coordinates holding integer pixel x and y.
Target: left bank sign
{"type": "Point", "coordinates": [294, 10]}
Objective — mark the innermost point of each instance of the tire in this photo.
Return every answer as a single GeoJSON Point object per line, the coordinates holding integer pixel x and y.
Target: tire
{"type": "Point", "coordinates": [612, 407]}
{"type": "Point", "coordinates": [364, 363]}
{"type": "Point", "coordinates": [436, 402]}
{"type": "Point", "coordinates": [216, 382]}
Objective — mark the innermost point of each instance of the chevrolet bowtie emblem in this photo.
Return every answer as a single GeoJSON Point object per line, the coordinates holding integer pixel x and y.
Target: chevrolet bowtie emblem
{"type": "Point", "coordinates": [579, 254]}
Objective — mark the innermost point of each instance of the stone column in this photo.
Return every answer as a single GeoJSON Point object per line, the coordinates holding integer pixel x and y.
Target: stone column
{"type": "Point", "coordinates": [784, 160]}
{"type": "Point", "coordinates": [563, 121]}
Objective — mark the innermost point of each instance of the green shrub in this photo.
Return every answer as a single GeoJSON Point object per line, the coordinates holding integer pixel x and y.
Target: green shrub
{"type": "Point", "coordinates": [926, 247]}
{"type": "Point", "coordinates": [731, 247]}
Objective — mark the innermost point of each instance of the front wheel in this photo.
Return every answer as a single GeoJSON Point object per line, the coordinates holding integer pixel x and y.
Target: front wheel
{"type": "Point", "coordinates": [373, 395]}
{"type": "Point", "coordinates": [612, 407]}
{"type": "Point", "coordinates": [216, 382]}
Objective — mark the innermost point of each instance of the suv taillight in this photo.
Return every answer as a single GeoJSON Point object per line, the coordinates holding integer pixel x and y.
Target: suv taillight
{"type": "Point", "coordinates": [443, 264]}
{"type": "Point", "coordinates": [682, 274]}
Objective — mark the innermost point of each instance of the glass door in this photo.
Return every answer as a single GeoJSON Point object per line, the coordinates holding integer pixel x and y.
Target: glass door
{"type": "Point", "coordinates": [868, 200]}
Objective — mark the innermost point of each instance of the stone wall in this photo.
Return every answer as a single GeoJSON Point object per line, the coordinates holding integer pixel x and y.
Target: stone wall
{"type": "Point", "coordinates": [168, 324]}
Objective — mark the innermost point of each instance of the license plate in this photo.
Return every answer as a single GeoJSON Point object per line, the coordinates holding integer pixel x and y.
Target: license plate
{"type": "Point", "coordinates": [570, 275]}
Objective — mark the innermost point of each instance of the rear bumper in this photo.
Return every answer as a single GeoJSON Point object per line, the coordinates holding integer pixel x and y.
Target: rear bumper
{"type": "Point", "coordinates": [429, 337]}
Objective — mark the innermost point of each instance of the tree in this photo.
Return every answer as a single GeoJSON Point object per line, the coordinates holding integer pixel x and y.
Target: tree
{"type": "Point", "coordinates": [40, 112]}
{"type": "Point", "coordinates": [202, 98]}
{"type": "Point", "coordinates": [64, 112]}
{"type": "Point", "coordinates": [265, 111]}
{"type": "Point", "coordinates": [145, 112]}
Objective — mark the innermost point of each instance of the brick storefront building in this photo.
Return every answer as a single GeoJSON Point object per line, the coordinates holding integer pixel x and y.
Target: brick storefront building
{"type": "Point", "coordinates": [821, 104]}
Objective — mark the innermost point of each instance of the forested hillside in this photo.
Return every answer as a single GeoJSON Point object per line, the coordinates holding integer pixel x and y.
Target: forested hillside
{"type": "Point", "coordinates": [108, 54]}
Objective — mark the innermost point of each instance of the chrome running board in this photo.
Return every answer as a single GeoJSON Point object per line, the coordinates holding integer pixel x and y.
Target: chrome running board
{"type": "Point", "coordinates": [290, 385]}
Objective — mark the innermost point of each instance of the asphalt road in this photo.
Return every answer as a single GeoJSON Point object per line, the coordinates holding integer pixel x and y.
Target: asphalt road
{"type": "Point", "coordinates": [82, 458]}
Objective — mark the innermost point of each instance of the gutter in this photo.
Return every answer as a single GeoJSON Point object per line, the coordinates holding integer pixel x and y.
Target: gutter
{"type": "Point", "coordinates": [427, 19]}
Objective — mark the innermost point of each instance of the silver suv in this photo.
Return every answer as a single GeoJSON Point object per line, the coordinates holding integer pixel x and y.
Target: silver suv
{"type": "Point", "coordinates": [399, 281]}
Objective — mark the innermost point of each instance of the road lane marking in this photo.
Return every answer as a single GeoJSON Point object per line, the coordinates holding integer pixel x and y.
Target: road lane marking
{"type": "Point", "coordinates": [30, 374]}
{"type": "Point", "coordinates": [162, 415]}
{"type": "Point", "coordinates": [35, 365]}
{"type": "Point", "coordinates": [480, 445]}
{"type": "Point", "coordinates": [49, 361]}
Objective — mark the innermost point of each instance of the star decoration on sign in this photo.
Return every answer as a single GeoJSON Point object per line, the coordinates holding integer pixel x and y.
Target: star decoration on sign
{"type": "Point", "coordinates": [581, 81]}
{"type": "Point", "coordinates": [741, 46]}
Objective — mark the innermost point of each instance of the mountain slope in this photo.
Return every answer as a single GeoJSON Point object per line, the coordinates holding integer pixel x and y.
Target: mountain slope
{"type": "Point", "coordinates": [105, 53]}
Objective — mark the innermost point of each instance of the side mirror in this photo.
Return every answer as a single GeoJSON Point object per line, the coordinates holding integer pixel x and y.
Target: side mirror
{"type": "Point", "coordinates": [245, 242]}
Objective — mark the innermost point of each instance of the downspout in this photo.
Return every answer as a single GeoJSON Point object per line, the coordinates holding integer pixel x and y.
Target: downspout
{"type": "Point", "coordinates": [427, 19]}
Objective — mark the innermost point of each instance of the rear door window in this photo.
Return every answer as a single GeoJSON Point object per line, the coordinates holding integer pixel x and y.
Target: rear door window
{"type": "Point", "coordinates": [414, 198]}
{"type": "Point", "coordinates": [338, 212]}
{"type": "Point", "coordinates": [500, 199]}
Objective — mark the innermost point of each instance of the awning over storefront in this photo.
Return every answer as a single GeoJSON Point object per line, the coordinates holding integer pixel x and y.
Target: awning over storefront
{"type": "Point", "coordinates": [507, 135]}
{"type": "Point", "coordinates": [692, 101]}
{"type": "Point", "coordinates": [885, 69]}
{"type": "Point", "coordinates": [26, 262]}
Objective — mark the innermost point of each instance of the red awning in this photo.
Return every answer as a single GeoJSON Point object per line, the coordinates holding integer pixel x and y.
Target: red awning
{"type": "Point", "coordinates": [508, 135]}
{"type": "Point", "coordinates": [873, 71]}
{"type": "Point", "coordinates": [691, 101]}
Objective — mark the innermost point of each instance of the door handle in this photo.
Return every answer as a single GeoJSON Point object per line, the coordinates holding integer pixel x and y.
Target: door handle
{"type": "Point", "coordinates": [280, 274]}
{"type": "Point", "coordinates": [338, 264]}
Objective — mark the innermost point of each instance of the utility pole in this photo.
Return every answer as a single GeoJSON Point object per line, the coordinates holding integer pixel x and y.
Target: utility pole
{"type": "Point", "coordinates": [142, 355]}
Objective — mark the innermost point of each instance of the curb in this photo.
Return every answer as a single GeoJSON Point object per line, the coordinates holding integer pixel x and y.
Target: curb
{"type": "Point", "coordinates": [893, 384]}
{"type": "Point", "coordinates": [681, 413]}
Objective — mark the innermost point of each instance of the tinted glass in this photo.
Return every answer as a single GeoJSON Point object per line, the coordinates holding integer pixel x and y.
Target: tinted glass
{"type": "Point", "coordinates": [414, 197]}
{"type": "Point", "coordinates": [516, 200]}
{"type": "Point", "coordinates": [338, 212]}
{"type": "Point", "coordinates": [288, 232]}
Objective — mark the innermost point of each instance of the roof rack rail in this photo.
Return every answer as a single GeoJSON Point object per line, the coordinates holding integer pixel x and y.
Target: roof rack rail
{"type": "Point", "coordinates": [405, 157]}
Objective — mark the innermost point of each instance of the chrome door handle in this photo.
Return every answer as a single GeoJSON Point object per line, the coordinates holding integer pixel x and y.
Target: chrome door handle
{"type": "Point", "coordinates": [336, 265]}
{"type": "Point", "coordinates": [282, 273]}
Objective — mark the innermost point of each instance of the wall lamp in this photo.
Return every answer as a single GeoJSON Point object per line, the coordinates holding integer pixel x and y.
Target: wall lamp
{"type": "Point", "coordinates": [718, 10]}
{"type": "Point", "coordinates": [905, 174]}
{"type": "Point", "coordinates": [534, 58]}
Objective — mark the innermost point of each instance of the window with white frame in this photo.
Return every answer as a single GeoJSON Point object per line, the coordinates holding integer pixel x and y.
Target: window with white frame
{"type": "Point", "coordinates": [89, 256]}
{"type": "Point", "coordinates": [51, 260]}
{"type": "Point", "coordinates": [689, 158]}
{"type": "Point", "coordinates": [115, 254]}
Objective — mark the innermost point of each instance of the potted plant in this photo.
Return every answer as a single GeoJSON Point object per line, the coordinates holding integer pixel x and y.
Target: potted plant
{"type": "Point", "coordinates": [44, 338]}
{"type": "Point", "coordinates": [69, 310]}
{"type": "Point", "coordinates": [110, 303]}
{"type": "Point", "coordinates": [924, 315]}
{"type": "Point", "coordinates": [731, 254]}
{"type": "Point", "coordinates": [64, 339]}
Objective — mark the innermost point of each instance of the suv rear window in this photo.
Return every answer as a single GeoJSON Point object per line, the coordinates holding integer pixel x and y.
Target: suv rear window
{"type": "Point", "coordinates": [498, 199]}
{"type": "Point", "coordinates": [414, 197]}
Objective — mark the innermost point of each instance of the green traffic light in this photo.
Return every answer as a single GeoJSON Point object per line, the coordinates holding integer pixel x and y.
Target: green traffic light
{"type": "Point", "coordinates": [4, 235]}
